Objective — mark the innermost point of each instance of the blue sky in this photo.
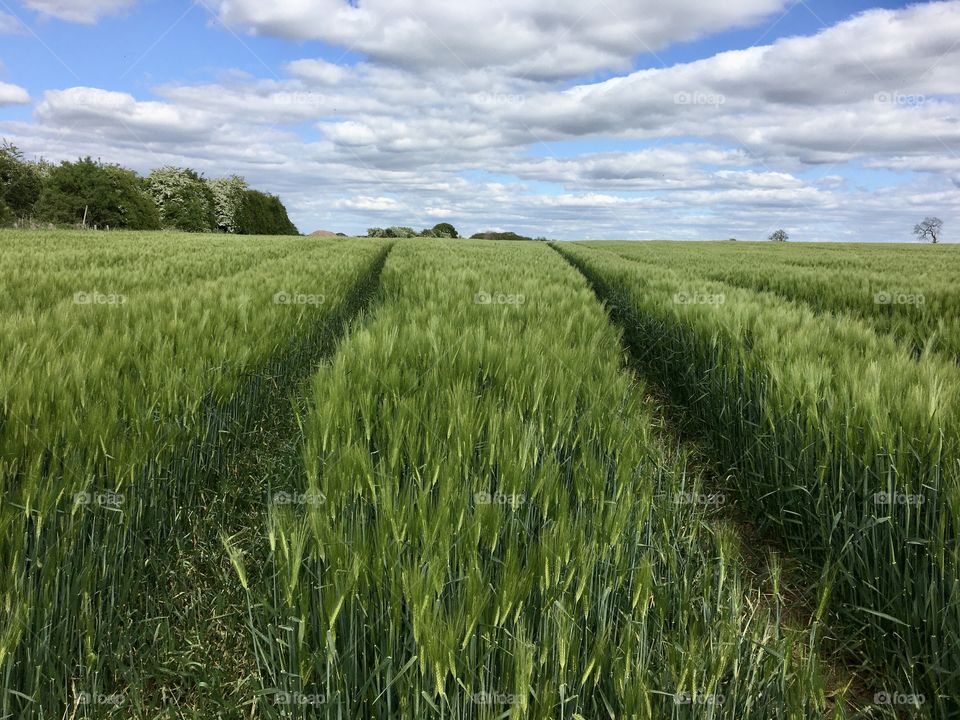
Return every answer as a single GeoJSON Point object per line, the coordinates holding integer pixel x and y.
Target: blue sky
{"type": "Point", "coordinates": [620, 119]}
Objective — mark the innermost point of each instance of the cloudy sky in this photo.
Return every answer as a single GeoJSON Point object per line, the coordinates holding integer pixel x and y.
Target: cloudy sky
{"type": "Point", "coordinates": [634, 119]}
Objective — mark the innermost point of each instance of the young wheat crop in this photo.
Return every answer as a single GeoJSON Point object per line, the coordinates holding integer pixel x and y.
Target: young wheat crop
{"type": "Point", "coordinates": [844, 445]}
{"type": "Point", "coordinates": [116, 387]}
{"type": "Point", "coordinates": [491, 529]}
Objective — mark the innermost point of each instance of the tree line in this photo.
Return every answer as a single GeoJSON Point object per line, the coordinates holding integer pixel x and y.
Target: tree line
{"type": "Point", "coordinates": [443, 230]}
{"type": "Point", "coordinates": [93, 194]}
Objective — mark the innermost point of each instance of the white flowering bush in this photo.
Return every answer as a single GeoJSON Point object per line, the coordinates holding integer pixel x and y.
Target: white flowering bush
{"type": "Point", "coordinates": [228, 196]}
{"type": "Point", "coordinates": [183, 198]}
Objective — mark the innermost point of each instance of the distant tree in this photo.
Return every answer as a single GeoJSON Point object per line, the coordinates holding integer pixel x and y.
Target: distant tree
{"type": "Point", "coordinates": [20, 183]}
{"type": "Point", "coordinates": [342, 234]}
{"type": "Point", "coordinates": [445, 230]}
{"type": "Point", "coordinates": [929, 229]}
{"type": "Point", "coordinates": [397, 231]}
{"type": "Point", "coordinates": [263, 214]}
{"type": "Point", "coordinates": [228, 196]}
{"type": "Point", "coordinates": [184, 199]}
{"type": "Point", "coordinates": [106, 195]}
{"type": "Point", "coordinates": [494, 235]}
{"type": "Point", "coordinates": [401, 231]}
{"type": "Point", "coordinates": [780, 236]}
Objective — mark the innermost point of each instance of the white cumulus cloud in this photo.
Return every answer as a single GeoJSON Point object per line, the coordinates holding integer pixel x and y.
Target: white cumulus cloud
{"type": "Point", "coordinates": [13, 95]}
{"type": "Point", "coordinates": [532, 38]}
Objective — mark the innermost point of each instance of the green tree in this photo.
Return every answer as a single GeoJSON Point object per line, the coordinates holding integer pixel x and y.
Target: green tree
{"type": "Point", "coordinates": [495, 235]}
{"type": "Point", "coordinates": [263, 214]}
{"type": "Point", "coordinates": [401, 231]}
{"type": "Point", "coordinates": [398, 231]}
{"type": "Point", "coordinates": [183, 198]}
{"type": "Point", "coordinates": [107, 195]}
{"type": "Point", "coordinates": [780, 236]}
{"type": "Point", "coordinates": [445, 230]}
{"type": "Point", "coordinates": [20, 184]}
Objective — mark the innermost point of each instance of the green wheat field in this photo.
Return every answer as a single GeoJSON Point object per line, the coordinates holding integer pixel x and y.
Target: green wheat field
{"type": "Point", "coordinates": [468, 479]}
